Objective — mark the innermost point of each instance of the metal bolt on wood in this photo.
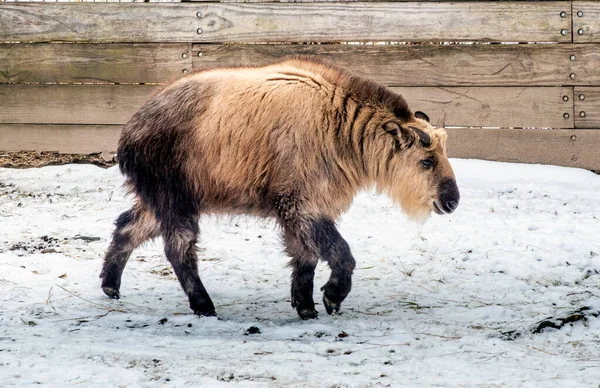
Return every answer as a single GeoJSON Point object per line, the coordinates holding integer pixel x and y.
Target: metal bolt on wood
{"type": "Point", "coordinates": [184, 55]}
{"type": "Point", "coordinates": [573, 137]}
{"type": "Point", "coordinates": [563, 32]}
{"type": "Point", "coordinates": [199, 30]}
{"type": "Point", "coordinates": [199, 14]}
{"type": "Point", "coordinates": [580, 14]}
{"type": "Point", "coordinates": [185, 71]}
{"type": "Point", "coordinates": [566, 115]}
{"type": "Point", "coordinates": [580, 31]}
{"type": "Point", "coordinates": [572, 58]}
{"type": "Point", "coordinates": [582, 97]}
{"type": "Point", "coordinates": [565, 98]}
{"type": "Point", "coordinates": [572, 75]}
{"type": "Point", "coordinates": [582, 114]}
{"type": "Point", "coordinates": [563, 14]}
{"type": "Point", "coordinates": [199, 54]}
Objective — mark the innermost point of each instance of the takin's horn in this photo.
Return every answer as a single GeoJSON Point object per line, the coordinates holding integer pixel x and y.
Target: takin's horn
{"type": "Point", "coordinates": [441, 122]}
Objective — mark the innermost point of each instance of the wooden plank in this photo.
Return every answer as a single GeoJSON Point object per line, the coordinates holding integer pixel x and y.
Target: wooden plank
{"type": "Point", "coordinates": [291, 22]}
{"type": "Point", "coordinates": [98, 22]}
{"type": "Point", "coordinates": [586, 17]}
{"type": "Point", "coordinates": [94, 63]}
{"type": "Point", "coordinates": [430, 65]}
{"type": "Point", "coordinates": [540, 107]}
{"type": "Point", "coordinates": [572, 148]}
{"type": "Point", "coordinates": [67, 139]}
{"type": "Point", "coordinates": [587, 107]}
{"type": "Point", "coordinates": [71, 104]}
{"type": "Point", "coordinates": [562, 147]}
{"type": "Point", "coordinates": [114, 104]}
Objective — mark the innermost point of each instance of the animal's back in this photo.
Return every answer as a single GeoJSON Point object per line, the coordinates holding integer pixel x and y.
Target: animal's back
{"type": "Point", "coordinates": [229, 139]}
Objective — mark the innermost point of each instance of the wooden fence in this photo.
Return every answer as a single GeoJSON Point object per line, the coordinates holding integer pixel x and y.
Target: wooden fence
{"type": "Point", "coordinates": [519, 80]}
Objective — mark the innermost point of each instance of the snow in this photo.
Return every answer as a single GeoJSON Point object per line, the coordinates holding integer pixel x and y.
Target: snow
{"type": "Point", "coordinates": [427, 306]}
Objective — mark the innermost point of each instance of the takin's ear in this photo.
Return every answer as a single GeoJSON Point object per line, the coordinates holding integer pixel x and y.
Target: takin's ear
{"type": "Point", "coordinates": [404, 137]}
{"type": "Point", "coordinates": [422, 116]}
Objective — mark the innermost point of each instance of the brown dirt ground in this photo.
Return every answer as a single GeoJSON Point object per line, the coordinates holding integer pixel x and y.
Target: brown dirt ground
{"type": "Point", "coordinates": [27, 159]}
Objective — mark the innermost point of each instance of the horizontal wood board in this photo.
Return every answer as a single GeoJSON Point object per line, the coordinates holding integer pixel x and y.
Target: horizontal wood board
{"type": "Point", "coordinates": [572, 148]}
{"type": "Point", "coordinates": [587, 107]}
{"type": "Point", "coordinates": [465, 106]}
{"type": "Point", "coordinates": [396, 65]}
{"type": "Point", "coordinates": [71, 104]}
{"type": "Point", "coordinates": [93, 63]}
{"type": "Point", "coordinates": [66, 139]}
{"type": "Point", "coordinates": [588, 22]}
{"type": "Point", "coordinates": [289, 22]}
{"type": "Point", "coordinates": [429, 65]}
{"type": "Point", "coordinates": [494, 107]}
{"type": "Point", "coordinates": [562, 147]}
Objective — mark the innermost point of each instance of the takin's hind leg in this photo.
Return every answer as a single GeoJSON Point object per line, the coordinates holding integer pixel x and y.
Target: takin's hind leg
{"type": "Point", "coordinates": [180, 248]}
{"type": "Point", "coordinates": [133, 227]}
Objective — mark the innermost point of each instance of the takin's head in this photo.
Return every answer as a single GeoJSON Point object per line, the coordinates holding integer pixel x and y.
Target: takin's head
{"type": "Point", "coordinates": [418, 175]}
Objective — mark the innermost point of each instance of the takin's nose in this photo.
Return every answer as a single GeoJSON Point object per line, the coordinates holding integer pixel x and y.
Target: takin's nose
{"type": "Point", "coordinates": [449, 195]}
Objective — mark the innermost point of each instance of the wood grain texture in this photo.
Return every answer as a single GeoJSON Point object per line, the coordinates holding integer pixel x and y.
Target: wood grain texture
{"type": "Point", "coordinates": [286, 22]}
{"type": "Point", "coordinates": [539, 107]}
{"type": "Point", "coordinates": [572, 148]}
{"type": "Point", "coordinates": [93, 63]}
{"type": "Point", "coordinates": [71, 104]}
{"type": "Point", "coordinates": [587, 107]}
{"type": "Point", "coordinates": [562, 147]}
{"type": "Point", "coordinates": [98, 22]}
{"type": "Point", "coordinates": [429, 65]}
{"type": "Point", "coordinates": [66, 139]}
{"type": "Point", "coordinates": [114, 104]}
{"type": "Point", "coordinates": [589, 22]}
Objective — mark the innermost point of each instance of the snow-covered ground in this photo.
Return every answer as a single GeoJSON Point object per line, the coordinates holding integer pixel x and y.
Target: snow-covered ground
{"type": "Point", "coordinates": [427, 306]}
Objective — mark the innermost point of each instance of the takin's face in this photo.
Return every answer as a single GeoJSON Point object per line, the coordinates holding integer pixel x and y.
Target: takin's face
{"type": "Point", "coordinates": [420, 177]}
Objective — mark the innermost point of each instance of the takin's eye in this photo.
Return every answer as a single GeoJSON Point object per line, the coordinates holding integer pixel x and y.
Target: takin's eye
{"type": "Point", "coordinates": [428, 163]}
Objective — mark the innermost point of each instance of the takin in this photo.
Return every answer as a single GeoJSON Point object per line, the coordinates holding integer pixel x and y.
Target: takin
{"type": "Point", "coordinates": [294, 141]}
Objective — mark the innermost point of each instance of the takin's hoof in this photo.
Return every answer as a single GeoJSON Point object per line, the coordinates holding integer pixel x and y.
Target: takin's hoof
{"type": "Point", "coordinates": [331, 307]}
{"type": "Point", "coordinates": [307, 313]}
{"type": "Point", "coordinates": [111, 292]}
{"type": "Point", "coordinates": [205, 313]}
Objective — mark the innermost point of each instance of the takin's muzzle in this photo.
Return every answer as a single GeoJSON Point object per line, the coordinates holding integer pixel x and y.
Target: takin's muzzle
{"type": "Point", "coordinates": [448, 196]}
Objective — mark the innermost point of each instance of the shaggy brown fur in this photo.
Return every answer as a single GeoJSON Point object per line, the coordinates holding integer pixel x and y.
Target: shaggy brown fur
{"type": "Point", "coordinates": [296, 141]}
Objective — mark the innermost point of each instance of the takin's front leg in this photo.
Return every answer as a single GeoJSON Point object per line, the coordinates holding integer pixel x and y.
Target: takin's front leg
{"type": "Point", "coordinates": [336, 252]}
{"type": "Point", "coordinates": [306, 242]}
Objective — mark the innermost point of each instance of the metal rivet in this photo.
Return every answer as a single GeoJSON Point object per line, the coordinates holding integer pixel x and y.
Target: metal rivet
{"type": "Point", "coordinates": [572, 75]}
{"type": "Point", "coordinates": [580, 31]}
{"type": "Point", "coordinates": [199, 54]}
{"type": "Point", "coordinates": [580, 14]}
{"type": "Point", "coordinates": [185, 71]}
{"type": "Point", "coordinates": [582, 97]}
{"type": "Point", "coordinates": [199, 14]}
{"type": "Point", "coordinates": [563, 32]}
{"type": "Point", "coordinates": [572, 57]}
{"type": "Point", "coordinates": [573, 137]}
{"type": "Point", "coordinates": [184, 55]}
{"type": "Point", "coordinates": [563, 14]}
{"type": "Point", "coordinates": [566, 115]}
{"type": "Point", "coordinates": [565, 98]}
{"type": "Point", "coordinates": [582, 114]}
{"type": "Point", "coordinates": [199, 30]}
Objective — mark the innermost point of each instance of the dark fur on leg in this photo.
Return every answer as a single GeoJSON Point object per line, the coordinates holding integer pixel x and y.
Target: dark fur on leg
{"type": "Point", "coordinates": [180, 249]}
{"type": "Point", "coordinates": [336, 252]}
{"type": "Point", "coordinates": [133, 227]}
{"type": "Point", "coordinates": [303, 263]}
